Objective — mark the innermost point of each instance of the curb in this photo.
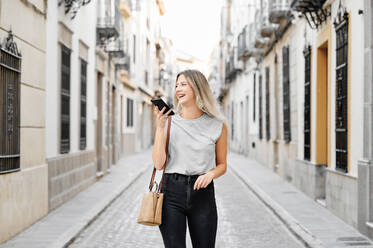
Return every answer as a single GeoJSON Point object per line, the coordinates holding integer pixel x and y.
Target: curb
{"type": "Point", "coordinates": [299, 231]}
{"type": "Point", "coordinates": [68, 237]}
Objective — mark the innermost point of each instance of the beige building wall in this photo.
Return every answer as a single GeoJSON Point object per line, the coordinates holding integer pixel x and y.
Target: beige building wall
{"type": "Point", "coordinates": [24, 194]}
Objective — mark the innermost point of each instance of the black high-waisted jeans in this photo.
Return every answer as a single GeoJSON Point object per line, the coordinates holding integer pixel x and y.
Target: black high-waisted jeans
{"type": "Point", "coordinates": [181, 203]}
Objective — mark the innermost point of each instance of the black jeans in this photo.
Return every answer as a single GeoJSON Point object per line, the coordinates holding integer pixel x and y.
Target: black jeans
{"type": "Point", "coordinates": [181, 203]}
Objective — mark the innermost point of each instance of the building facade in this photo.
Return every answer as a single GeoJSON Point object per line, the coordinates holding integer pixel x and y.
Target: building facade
{"type": "Point", "coordinates": [296, 94]}
{"type": "Point", "coordinates": [70, 70]}
{"type": "Point", "coordinates": [79, 79]}
{"type": "Point", "coordinates": [23, 166]}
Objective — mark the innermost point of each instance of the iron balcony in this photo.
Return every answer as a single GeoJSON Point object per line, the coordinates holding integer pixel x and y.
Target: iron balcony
{"type": "Point", "coordinates": [108, 26]}
{"type": "Point", "coordinates": [252, 50]}
{"type": "Point", "coordinates": [279, 10]}
{"type": "Point", "coordinates": [266, 28]}
{"type": "Point", "coordinates": [243, 44]}
{"type": "Point", "coordinates": [115, 48]}
{"type": "Point", "coordinates": [312, 10]}
{"type": "Point", "coordinates": [261, 42]}
{"type": "Point", "coordinates": [123, 63]}
{"type": "Point", "coordinates": [233, 65]}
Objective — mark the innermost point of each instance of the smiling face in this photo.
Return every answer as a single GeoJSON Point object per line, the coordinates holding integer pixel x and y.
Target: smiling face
{"type": "Point", "coordinates": [183, 91]}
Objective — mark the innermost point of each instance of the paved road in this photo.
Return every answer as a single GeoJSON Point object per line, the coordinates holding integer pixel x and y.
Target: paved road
{"type": "Point", "coordinates": [243, 221]}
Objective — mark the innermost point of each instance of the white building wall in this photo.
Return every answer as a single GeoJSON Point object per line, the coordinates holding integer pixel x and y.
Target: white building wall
{"type": "Point", "coordinates": [297, 78]}
{"type": "Point", "coordinates": [52, 78]}
{"type": "Point", "coordinates": [83, 27]}
{"type": "Point", "coordinates": [357, 79]}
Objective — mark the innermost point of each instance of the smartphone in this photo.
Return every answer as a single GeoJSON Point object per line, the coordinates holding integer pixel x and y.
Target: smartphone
{"type": "Point", "coordinates": [160, 104]}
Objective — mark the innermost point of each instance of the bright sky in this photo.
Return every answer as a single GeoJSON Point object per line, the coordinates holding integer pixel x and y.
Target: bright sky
{"type": "Point", "coordinates": [192, 25]}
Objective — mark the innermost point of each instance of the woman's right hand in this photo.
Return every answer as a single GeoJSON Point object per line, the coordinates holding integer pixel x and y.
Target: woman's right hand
{"type": "Point", "coordinates": [161, 117]}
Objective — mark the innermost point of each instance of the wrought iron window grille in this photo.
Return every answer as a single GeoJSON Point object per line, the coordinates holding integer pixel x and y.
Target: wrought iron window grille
{"type": "Point", "coordinates": [129, 112]}
{"type": "Point", "coordinates": [83, 104]}
{"type": "Point", "coordinates": [10, 75]}
{"type": "Point", "coordinates": [268, 125]}
{"type": "Point", "coordinates": [73, 6]}
{"type": "Point", "coordinates": [260, 108]}
{"type": "Point", "coordinates": [65, 99]}
{"type": "Point", "coordinates": [307, 102]}
{"type": "Point", "coordinates": [286, 93]}
{"type": "Point", "coordinates": [341, 91]}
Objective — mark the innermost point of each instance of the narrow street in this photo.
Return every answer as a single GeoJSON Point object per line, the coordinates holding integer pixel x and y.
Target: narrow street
{"type": "Point", "coordinates": [243, 221]}
{"type": "Point", "coordinates": [279, 92]}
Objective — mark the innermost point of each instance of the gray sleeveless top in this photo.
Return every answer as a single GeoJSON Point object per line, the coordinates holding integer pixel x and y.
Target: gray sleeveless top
{"type": "Point", "coordinates": [191, 149]}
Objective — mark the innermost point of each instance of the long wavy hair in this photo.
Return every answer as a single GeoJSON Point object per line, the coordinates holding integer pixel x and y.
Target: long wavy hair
{"type": "Point", "coordinates": [204, 98]}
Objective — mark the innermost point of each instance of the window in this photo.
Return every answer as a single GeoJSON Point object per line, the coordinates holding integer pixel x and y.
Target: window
{"type": "Point", "coordinates": [65, 100]}
{"type": "Point", "coordinates": [10, 74]}
{"type": "Point", "coordinates": [129, 112]}
{"type": "Point", "coordinates": [286, 93]}
{"type": "Point", "coordinates": [307, 103]}
{"type": "Point", "coordinates": [268, 131]}
{"type": "Point", "coordinates": [83, 104]}
{"type": "Point", "coordinates": [341, 121]}
{"type": "Point", "coordinates": [254, 105]}
{"type": "Point", "coordinates": [260, 108]}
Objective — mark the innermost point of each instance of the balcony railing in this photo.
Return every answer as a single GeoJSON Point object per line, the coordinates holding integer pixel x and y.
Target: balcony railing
{"type": "Point", "coordinates": [259, 41]}
{"type": "Point", "coordinates": [243, 44]}
{"type": "Point", "coordinates": [279, 10]}
{"type": "Point", "coordinates": [233, 65]}
{"type": "Point", "coordinates": [266, 28]}
{"type": "Point", "coordinates": [312, 10]}
{"type": "Point", "coordinates": [108, 26]}
{"type": "Point", "coordinates": [123, 63]}
{"type": "Point", "coordinates": [252, 50]}
{"type": "Point", "coordinates": [115, 48]}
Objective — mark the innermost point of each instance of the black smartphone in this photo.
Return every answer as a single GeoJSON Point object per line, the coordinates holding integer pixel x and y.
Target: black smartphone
{"type": "Point", "coordinates": [160, 104]}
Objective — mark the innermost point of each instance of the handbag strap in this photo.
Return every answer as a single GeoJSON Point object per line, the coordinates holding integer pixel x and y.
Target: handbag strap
{"type": "Point", "coordinates": [165, 163]}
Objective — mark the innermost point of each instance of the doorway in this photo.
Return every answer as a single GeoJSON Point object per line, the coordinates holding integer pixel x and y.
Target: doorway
{"type": "Point", "coordinates": [322, 106]}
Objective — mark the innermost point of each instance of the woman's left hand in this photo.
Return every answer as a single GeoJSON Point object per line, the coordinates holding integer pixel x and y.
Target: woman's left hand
{"type": "Point", "coordinates": [203, 181]}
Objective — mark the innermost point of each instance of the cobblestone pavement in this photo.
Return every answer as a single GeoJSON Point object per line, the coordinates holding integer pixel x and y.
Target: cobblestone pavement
{"type": "Point", "coordinates": [243, 221]}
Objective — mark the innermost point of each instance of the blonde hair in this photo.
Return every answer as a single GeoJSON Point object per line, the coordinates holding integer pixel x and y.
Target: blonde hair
{"type": "Point", "coordinates": [204, 97]}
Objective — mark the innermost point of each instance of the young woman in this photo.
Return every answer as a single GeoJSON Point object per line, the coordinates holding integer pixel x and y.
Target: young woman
{"type": "Point", "coordinates": [197, 156]}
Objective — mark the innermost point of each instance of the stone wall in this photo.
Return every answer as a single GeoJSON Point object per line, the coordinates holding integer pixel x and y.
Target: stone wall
{"type": "Point", "coordinates": [68, 175]}
{"type": "Point", "coordinates": [341, 196]}
{"type": "Point", "coordinates": [310, 178]}
{"type": "Point", "coordinates": [128, 146]}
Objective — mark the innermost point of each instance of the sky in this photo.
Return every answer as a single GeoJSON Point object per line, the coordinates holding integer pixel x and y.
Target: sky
{"type": "Point", "coordinates": [192, 25]}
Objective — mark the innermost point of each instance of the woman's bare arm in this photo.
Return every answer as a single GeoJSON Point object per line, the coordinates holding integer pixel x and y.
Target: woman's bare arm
{"type": "Point", "coordinates": [159, 149]}
{"type": "Point", "coordinates": [221, 161]}
{"type": "Point", "coordinates": [221, 153]}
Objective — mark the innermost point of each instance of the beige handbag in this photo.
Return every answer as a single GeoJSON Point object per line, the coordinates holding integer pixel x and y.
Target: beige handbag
{"type": "Point", "coordinates": [152, 202]}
